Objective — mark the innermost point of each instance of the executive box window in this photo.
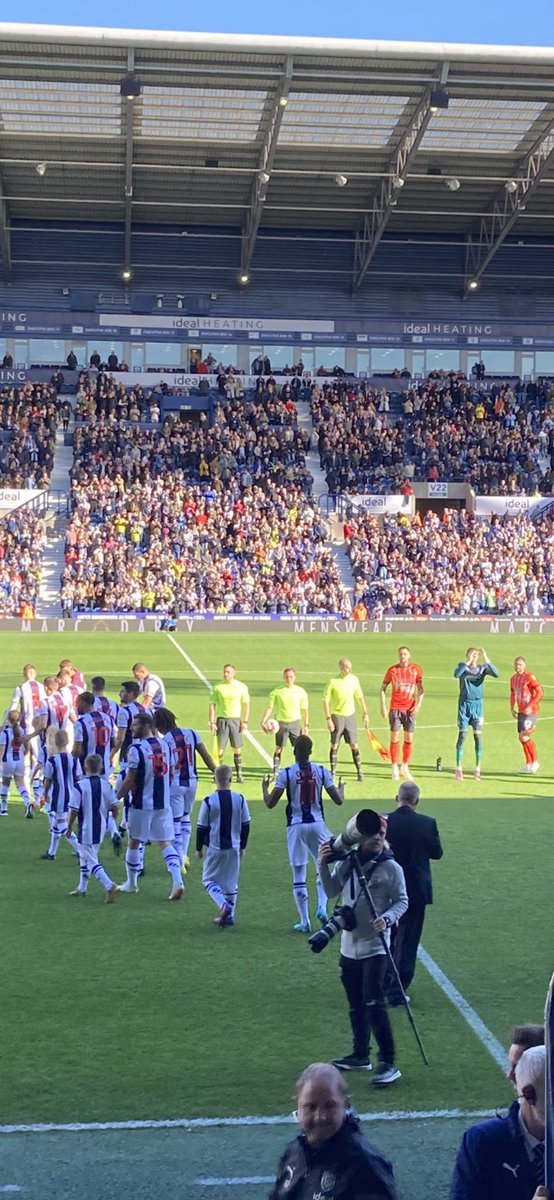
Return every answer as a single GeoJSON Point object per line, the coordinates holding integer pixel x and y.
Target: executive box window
{"type": "Point", "coordinates": [104, 350]}
{"type": "Point", "coordinates": [442, 360]}
{"type": "Point", "coordinates": [329, 357]}
{"type": "Point", "coordinates": [544, 362]}
{"type": "Point", "coordinates": [163, 354]}
{"type": "Point", "coordinates": [223, 352]}
{"type": "Point", "coordinates": [46, 352]}
{"type": "Point", "coordinates": [499, 362]}
{"type": "Point", "coordinates": [387, 359]}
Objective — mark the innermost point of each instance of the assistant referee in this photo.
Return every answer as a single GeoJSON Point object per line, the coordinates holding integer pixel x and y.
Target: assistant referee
{"type": "Point", "coordinates": [228, 715]}
{"type": "Point", "coordinates": [290, 707]}
{"type": "Point", "coordinates": [339, 706]}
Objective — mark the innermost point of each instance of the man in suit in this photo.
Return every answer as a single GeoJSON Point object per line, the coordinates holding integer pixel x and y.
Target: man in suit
{"type": "Point", "coordinates": [414, 840]}
{"type": "Point", "coordinates": [503, 1159]}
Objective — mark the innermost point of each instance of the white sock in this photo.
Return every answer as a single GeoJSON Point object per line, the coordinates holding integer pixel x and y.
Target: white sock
{"type": "Point", "coordinates": [132, 864]}
{"type": "Point", "coordinates": [321, 896]}
{"type": "Point", "coordinates": [4, 793]}
{"type": "Point", "coordinates": [73, 840]}
{"type": "Point", "coordinates": [231, 900]}
{"type": "Point", "coordinates": [177, 838]}
{"type": "Point", "coordinates": [215, 893]}
{"type": "Point", "coordinates": [55, 835]}
{"type": "Point", "coordinates": [24, 795]}
{"type": "Point", "coordinates": [111, 825]}
{"type": "Point", "coordinates": [102, 876]}
{"type": "Point", "coordinates": [301, 900]}
{"type": "Point", "coordinates": [173, 864]}
{"type": "Point", "coordinates": [141, 850]}
{"type": "Point", "coordinates": [37, 789]}
{"type": "Point", "coordinates": [186, 834]}
{"type": "Point", "coordinates": [84, 877]}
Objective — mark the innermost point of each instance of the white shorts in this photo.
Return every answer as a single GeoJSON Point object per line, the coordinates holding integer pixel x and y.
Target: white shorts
{"type": "Point", "coordinates": [182, 800]}
{"type": "Point", "coordinates": [13, 768]}
{"type": "Point", "coordinates": [88, 855]}
{"type": "Point", "coordinates": [222, 867]}
{"type": "Point", "coordinates": [151, 824]}
{"type": "Point", "coordinates": [304, 841]}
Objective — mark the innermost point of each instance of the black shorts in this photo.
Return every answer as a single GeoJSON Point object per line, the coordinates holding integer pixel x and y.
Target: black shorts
{"type": "Point", "coordinates": [345, 727]}
{"type": "Point", "coordinates": [401, 719]}
{"type": "Point", "coordinates": [228, 730]}
{"type": "Point", "coordinates": [526, 722]}
{"type": "Point", "coordinates": [286, 730]}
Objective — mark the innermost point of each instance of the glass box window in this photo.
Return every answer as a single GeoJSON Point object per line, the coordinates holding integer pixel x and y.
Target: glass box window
{"type": "Point", "coordinates": [442, 360]}
{"type": "Point", "coordinates": [387, 358]}
{"type": "Point", "coordinates": [499, 362]}
{"type": "Point", "coordinates": [163, 354]}
{"type": "Point", "coordinates": [47, 352]}
{"type": "Point", "coordinates": [223, 352]}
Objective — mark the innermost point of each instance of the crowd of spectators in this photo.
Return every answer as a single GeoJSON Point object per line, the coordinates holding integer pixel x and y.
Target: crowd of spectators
{"type": "Point", "coordinates": [29, 417]}
{"type": "Point", "coordinates": [196, 518]}
{"type": "Point", "coordinates": [452, 565]}
{"type": "Point", "coordinates": [498, 440]}
{"type": "Point", "coordinates": [22, 538]}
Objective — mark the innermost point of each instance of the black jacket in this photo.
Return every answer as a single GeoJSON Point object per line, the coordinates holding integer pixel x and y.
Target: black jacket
{"type": "Point", "coordinates": [346, 1167]}
{"type": "Point", "coordinates": [493, 1162]}
{"type": "Point", "coordinates": [414, 840]}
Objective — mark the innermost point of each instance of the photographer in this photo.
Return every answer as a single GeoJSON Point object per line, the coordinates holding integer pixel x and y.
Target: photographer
{"type": "Point", "coordinates": [363, 961]}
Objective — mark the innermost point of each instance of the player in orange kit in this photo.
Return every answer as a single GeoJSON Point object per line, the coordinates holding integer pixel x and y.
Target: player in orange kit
{"type": "Point", "coordinates": [526, 694]}
{"type": "Point", "coordinates": [406, 680]}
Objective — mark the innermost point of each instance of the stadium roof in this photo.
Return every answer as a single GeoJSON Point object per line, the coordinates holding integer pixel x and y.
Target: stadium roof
{"type": "Point", "coordinates": [277, 132]}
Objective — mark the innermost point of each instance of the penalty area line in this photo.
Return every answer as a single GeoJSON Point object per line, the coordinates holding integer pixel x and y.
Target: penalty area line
{"type": "Point", "coordinates": [253, 741]}
{"type": "Point", "coordinates": [192, 1123]}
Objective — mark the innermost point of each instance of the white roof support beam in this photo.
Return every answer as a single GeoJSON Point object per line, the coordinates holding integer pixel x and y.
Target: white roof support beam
{"type": "Point", "coordinates": [5, 240]}
{"type": "Point", "coordinates": [506, 208]}
{"type": "Point", "coordinates": [128, 129]}
{"type": "Point", "coordinates": [272, 123]}
{"type": "Point", "coordinates": [386, 196]}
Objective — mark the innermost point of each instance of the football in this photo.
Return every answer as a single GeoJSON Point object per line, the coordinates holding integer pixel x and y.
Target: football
{"type": "Point", "coordinates": [271, 726]}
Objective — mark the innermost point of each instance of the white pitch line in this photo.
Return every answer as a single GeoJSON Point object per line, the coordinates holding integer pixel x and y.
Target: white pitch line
{"type": "Point", "coordinates": [253, 741]}
{"type": "Point", "coordinates": [237, 1122]}
{"type": "Point", "coordinates": [236, 1181]}
{"type": "Point", "coordinates": [14, 1187]}
{"type": "Point", "coordinates": [487, 1039]}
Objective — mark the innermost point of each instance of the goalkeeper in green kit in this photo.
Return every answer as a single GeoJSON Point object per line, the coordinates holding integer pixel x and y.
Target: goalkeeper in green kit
{"type": "Point", "coordinates": [471, 675]}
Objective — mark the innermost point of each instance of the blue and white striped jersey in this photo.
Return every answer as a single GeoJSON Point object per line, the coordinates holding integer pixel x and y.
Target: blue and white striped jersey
{"type": "Point", "coordinates": [28, 697]}
{"type": "Point", "coordinates": [92, 798]}
{"type": "Point", "coordinates": [225, 818]}
{"type": "Point", "coordinates": [125, 721]}
{"type": "Point", "coordinates": [93, 731]}
{"type": "Point", "coordinates": [153, 687]}
{"type": "Point", "coordinates": [109, 707]}
{"type": "Point", "coordinates": [183, 743]}
{"type": "Point", "coordinates": [152, 759]}
{"type": "Point", "coordinates": [62, 770]}
{"type": "Point", "coordinates": [304, 786]}
{"type": "Point", "coordinates": [12, 750]}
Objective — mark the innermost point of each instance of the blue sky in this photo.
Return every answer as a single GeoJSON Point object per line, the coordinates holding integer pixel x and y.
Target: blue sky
{"type": "Point", "coordinates": [485, 21]}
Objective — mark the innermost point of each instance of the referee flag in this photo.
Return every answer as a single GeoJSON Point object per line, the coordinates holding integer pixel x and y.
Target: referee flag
{"type": "Point", "coordinates": [376, 745]}
{"type": "Point", "coordinates": [549, 1039]}
{"type": "Point", "coordinates": [215, 750]}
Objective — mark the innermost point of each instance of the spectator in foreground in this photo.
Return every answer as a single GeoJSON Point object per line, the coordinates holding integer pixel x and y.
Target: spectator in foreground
{"type": "Point", "coordinates": [503, 1159]}
{"type": "Point", "coordinates": [330, 1146]}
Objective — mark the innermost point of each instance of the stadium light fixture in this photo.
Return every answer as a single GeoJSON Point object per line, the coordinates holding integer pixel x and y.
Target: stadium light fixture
{"type": "Point", "coordinates": [180, 301]}
{"type": "Point", "coordinates": [341, 180]}
{"type": "Point", "coordinates": [159, 301]}
{"type": "Point", "coordinates": [453, 184]}
{"type": "Point", "coordinates": [473, 285]}
{"type": "Point", "coordinates": [244, 278]}
{"type": "Point", "coordinates": [283, 101]}
{"type": "Point", "coordinates": [439, 99]}
{"type": "Point", "coordinates": [126, 274]}
{"type": "Point", "coordinates": [264, 177]}
{"type": "Point", "coordinates": [130, 87]}
{"type": "Point", "coordinates": [398, 182]}
{"type": "Point", "coordinates": [41, 169]}
{"type": "Point", "coordinates": [511, 186]}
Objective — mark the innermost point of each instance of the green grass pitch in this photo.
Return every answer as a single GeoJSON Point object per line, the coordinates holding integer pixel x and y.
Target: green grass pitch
{"type": "Point", "coordinates": [147, 1010]}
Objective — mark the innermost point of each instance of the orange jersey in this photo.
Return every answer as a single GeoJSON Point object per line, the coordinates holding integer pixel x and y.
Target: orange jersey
{"type": "Point", "coordinates": [404, 681]}
{"type": "Point", "coordinates": [525, 692]}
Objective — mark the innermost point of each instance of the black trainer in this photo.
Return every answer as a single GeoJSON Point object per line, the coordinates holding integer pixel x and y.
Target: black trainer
{"type": "Point", "coordinates": [360, 777]}
{"type": "Point", "coordinates": [29, 814]}
{"type": "Point", "coordinates": [117, 842]}
{"type": "Point", "coordinates": [47, 855]}
{"type": "Point", "coordinates": [352, 1062]}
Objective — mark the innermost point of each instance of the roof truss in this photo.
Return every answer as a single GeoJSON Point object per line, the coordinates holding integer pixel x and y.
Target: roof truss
{"type": "Point", "coordinates": [273, 120]}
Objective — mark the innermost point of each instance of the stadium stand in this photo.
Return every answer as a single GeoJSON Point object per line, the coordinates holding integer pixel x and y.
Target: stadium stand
{"type": "Point", "coordinates": [22, 538]}
{"type": "Point", "coordinates": [29, 418]}
{"type": "Point", "coordinates": [452, 565]}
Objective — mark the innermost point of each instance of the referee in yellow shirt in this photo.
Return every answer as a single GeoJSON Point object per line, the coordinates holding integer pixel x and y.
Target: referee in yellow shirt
{"type": "Point", "coordinates": [228, 714]}
{"type": "Point", "coordinates": [339, 706]}
{"type": "Point", "coordinates": [289, 706]}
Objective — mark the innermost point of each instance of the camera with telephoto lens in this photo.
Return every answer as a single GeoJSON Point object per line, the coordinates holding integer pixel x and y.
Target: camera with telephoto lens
{"type": "Point", "coordinates": [343, 917]}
